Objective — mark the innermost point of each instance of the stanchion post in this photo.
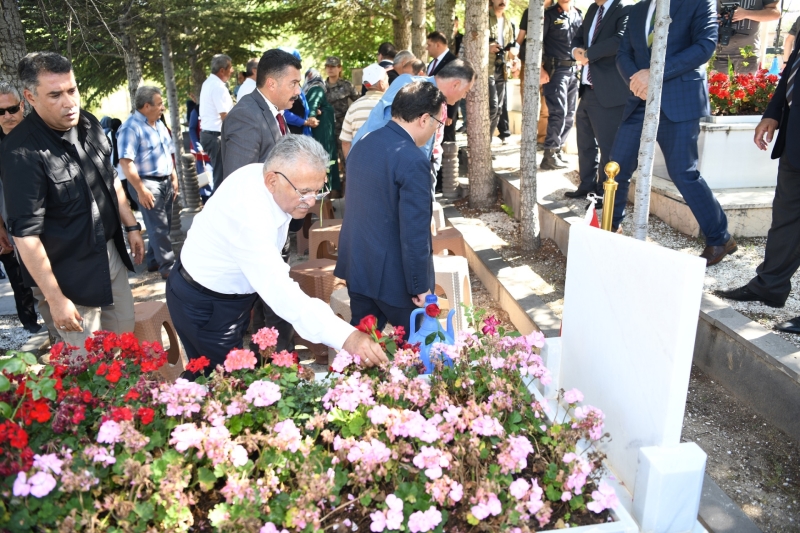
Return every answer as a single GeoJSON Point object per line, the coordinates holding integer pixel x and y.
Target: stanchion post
{"type": "Point", "coordinates": [609, 194]}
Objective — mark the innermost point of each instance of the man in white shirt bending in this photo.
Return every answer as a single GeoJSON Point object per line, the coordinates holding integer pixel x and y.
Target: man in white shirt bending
{"type": "Point", "coordinates": [215, 102]}
{"type": "Point", "coordinates": [232, 256]}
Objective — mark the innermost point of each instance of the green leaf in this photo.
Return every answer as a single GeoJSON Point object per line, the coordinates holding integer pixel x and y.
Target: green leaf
{"type": "Point", "coordinates": [441, 335]}
{"type": "Point", "coordinates": [29, 358]}
{"type": "Point", "coordinates": [235, 425]}
{"type": "Point", "coordinates": [13, 366]}
{"type": "Point", "coordinates": [365, 500]}
{"type": "Point", "coordinates": [206, 478]}
{"type": "Point", "coordinates": [575, 503]}
{"type": "Point", "coordinates": [144, 510]}
{"type": "Point", "coordinates": [515, 417]}
{"type": "Point", "coordinates": [4, 383]}
{"type": "Point", "coordinates": [5, 410]}
{"type": "Point", "coordinates": [430, 338]}
{"type": "Point", "coordinates": [356, 424]}
{"type": "Point", "coordinates": [553, 494]}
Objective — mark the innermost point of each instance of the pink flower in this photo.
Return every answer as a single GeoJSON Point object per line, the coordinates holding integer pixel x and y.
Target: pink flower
{"type": "Point", "coordinates": [109, 432]}
{"type": "Point", "coordinates": [265, 338]}
{"type": "Point", "coordinates": [349, 393]}
{"type": "Point", "coordinates": [239, 360]}
{"type": "Point", "coordinates": [262, 393]}
{"type": "Point", "coordinates": [21, 486]}
{"type": "Point", "coordinates": [486, 425]}
{"type": "Point", "coordinates": [566, 496]}
{"type": "Point", "coordinates": [514, 454]}
{"type": "Point", "coordinates": [456, 491]}
{"type": "Point", "coordinates": [289, 437]}
{"type": "Point", "coordinates": [432, 460]}
{"type": "Point", "coordinates": [424, 521]}
{"type": "Point", "coordinates": [283, 358]}
{"type": "Point", "coordinates": [378, 521]}
{"type": "Point", "coordinates": [343, 360]}
{"type": "Point", "coordinates": [269, 527]}
{"type": "Point", "coordinates": [519, 488]}
{"type": "Point", "coordinates": [573, 396]}
{"type": "Point", "coordinates": [239, 455]}
{"type": "Point", "coordinates": [490, 506]}
{"type": "Point", "coordinates": [394, 516]}
{"type": "Point", "coordinates": [187, 436]}
{"type": "Point", "coordinates": [182, 397]}
{"type": "Point", "coordinates": [379, 414]}
{"type": "Point", "coordinates": [590, 418]}
{"type": "Point", "coordinates": [604, 498]}
{"type": "Point", "coordinates": [41, 484]}
{"type": "Point", "coordinates": [490, 323]}
{"type": "Point", "coordinates": [99, 454]}
{"type": "Point", "coordinates": [49, 462]}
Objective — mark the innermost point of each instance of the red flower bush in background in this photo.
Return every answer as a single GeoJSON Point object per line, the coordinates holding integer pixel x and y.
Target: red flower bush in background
{"type": "Point", "coordinates": [740, 94]}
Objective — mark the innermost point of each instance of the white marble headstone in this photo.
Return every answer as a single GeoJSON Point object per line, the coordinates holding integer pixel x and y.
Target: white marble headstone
{"type": "Point", "coordinates": [629, 324]}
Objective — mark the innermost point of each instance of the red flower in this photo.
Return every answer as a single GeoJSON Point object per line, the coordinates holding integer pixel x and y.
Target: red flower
{"type": "Point", "coordinates": [432, 310]}
{"type": "Point", "coordinates": [198, 364]}
{"type": "Point", "coordinates": [367, 324]}
{"type": "Point", "coordinates": [79, 414]}
{"type": "Point", "coordinates": [102, 369]}
{"type": "Point", "coordinates": [146, 415]}
{"type": "Point", "coordinates": [739, 94]}
{"type": "Point", "coordinates": [399, 332]}
{"type": "Point", "coordinates": [132, 395]}
{"type": "Point", "coordinates": [86, 396]}
{"type": "Point", "coordinates": [114, 372]}
{"type": "Point", "coordinates": [118, 414]}
{"type": "Point", "coordinates": [31, 411]}
{"type": "Point", "coordinates": [16, 436]}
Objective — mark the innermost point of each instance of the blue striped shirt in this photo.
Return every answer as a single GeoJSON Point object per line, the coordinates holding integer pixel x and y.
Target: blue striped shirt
{"type": "Point", "coordinates": [149, 148]}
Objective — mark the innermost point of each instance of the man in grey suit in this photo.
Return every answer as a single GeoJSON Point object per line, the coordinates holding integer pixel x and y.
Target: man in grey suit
{"type": "Point", "coordinates": [250, 132]}
{"type": "Point", "coordinates": [602, 90]}
{"type": "Point", "coordinates": [256, 122]}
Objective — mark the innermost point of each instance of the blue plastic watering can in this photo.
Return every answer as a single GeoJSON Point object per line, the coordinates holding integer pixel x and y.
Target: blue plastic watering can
{"type": "Point", "coordinates": [432, 331]}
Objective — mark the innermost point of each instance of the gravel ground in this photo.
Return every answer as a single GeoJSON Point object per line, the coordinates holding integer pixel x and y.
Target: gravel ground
{"type": "Point", "coordinates": [12, 335]}
{"type": "Point", "coordinates": [752, 461]}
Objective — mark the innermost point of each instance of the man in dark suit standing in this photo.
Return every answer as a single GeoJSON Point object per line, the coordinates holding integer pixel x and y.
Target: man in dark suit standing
{"type": "Point", "coordinates": [684, 99]}
{"type": "Point", "coordinates": [602, 90]}
{"type": "Point", "coordinates": [438, 50]}
{"type": "Point", "coordinates": [250, 132]}
{"type": "Point", "coordinates": [772, 283]}
{"type": "Point", "coordinates": [385, 250]}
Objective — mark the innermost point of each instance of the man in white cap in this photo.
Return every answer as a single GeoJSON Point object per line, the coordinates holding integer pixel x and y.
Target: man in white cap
{"type": "Point", "coordinates": [376, 80]}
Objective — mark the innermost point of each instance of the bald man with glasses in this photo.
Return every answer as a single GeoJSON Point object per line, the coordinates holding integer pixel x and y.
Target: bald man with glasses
{"type": "Point", "coordinates": [232, 255]}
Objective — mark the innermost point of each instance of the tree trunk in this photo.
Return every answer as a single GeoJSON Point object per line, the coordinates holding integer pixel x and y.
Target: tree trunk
{"type": "Point", "coordinates": [647, 144]}
{"type": "Point", "coordinates": [197, 69]}
{"type": "Point", "coordinates": [130, 50]}
{"type": "Point", "coordinates": [402, 25]}
{"type": "Point", "coordinates": [419, 30]}
{"type": "Point", "coordinates": [529, 207]}
{"type": "Point", "coordinates": [172, 97]}
{"type": "Point", "coordinates": [445, 11]}
{"type": "Point", "coordinates": [12, 42]}
{"type": "Point", "coordinates": [476, 50]}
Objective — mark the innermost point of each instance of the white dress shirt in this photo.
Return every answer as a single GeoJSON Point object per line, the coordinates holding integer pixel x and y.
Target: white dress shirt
{"type": "Point", "coordinates": [234, 247]}
{"type": "Point", "coordinates": [585, 68]}
{"type": "Point", "coordinates": [438, 62]}
{"type": "Point", "coordinates": [274, 109]}
{"type": "Point", "coordinates": [214, 99]}
{"type": "Point", "coordinates": [247, 86]}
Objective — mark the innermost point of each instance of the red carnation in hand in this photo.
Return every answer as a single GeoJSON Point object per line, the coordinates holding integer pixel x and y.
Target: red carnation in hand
{"type": "Point", "coordinates": [432, 310]}
{"type": "Point", "coordinates": [146, 415]}
{"type": "Point", "coordinates": [198, 364]}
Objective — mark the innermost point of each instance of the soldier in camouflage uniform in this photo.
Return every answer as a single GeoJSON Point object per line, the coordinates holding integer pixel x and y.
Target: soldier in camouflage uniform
{"type": "Point", "coordinates": [340, 94]}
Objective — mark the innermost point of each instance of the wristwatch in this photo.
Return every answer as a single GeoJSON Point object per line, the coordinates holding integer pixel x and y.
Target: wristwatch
{"type": "Point", "coordinates": [137, 227]}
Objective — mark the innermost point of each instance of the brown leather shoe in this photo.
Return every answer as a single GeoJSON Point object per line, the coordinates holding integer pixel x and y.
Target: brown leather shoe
{"type": "Point", "coordinates": [714, 254]}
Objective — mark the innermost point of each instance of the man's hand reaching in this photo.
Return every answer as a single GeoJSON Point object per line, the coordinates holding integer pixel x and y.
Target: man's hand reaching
{"type": "Point", "coordinates": [363, 345]}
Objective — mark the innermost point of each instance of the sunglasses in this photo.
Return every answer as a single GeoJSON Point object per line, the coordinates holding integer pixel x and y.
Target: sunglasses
{"type": "Point", "coordinates": [13, 110]}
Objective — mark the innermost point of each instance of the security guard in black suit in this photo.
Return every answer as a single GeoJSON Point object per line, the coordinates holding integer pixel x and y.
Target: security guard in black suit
{"type": "Point", "coordinates": [560, 84]}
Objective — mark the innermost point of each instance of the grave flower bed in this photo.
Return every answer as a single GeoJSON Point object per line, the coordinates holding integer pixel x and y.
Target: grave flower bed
{"type": "Point", "coordinates": [101, 444]}
{"type": "Point", "coordinates": [741, 94]}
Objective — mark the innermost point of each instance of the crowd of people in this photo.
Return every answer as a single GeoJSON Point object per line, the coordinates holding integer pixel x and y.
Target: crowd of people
{"type": "Point", "coordinates": [291, 137]}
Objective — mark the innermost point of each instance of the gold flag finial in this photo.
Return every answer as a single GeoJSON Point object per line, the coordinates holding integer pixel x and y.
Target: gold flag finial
{"type": "Point", "coordinates": [609, 194]}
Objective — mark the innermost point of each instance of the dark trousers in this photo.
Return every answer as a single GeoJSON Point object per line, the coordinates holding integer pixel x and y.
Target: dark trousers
{"type": "Point", "coordinates": [157, 221]}
{"type": "Point", "coordinates": [361, 306]}
{"type": "Point", "coordinates": [596, 126]}
{"type": "Point", "coordinates": [782, 254]}
{"type": "Point", "coordinates": [561, 95]}
{"type": "Point", "coordinates": [211, 146]}
{"type": "Point", "coordinates": [678, 142]}
{"type": "Point", "coordinates": [23, 296]}
{"type": "Point", "coordinates": [497, 95]}
{"type": "Point", "coordinates": [265, 317]}
{"type": "Point", "coordinates": [450, 131]}
{"type": "Point", "coordinates": [206, 324]}
{"type": "Point", "coordinates": [503, 125]}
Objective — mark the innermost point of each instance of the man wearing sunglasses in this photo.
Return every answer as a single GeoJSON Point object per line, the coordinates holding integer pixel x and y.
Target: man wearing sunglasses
{"type": "Point", "coordinates": [232, 256]}
{"type": "Point", "coordinates": [385, 250]}
{"type": "Point", "coordinates": [11, 114]}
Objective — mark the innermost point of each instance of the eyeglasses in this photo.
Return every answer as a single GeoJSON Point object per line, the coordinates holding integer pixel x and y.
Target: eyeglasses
{"type": "Point", "coordinates": [318, 196]}
{"type": "Point", "coordinates": [13, 110]}
{"type": "Point", "coordinates": [436, 119]}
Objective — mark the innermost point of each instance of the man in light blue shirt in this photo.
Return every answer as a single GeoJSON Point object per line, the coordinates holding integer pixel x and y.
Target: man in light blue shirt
{"type": "Point", "coordinates": [454, 80]}
{"type": "Point", "coordinates": [145, 156]}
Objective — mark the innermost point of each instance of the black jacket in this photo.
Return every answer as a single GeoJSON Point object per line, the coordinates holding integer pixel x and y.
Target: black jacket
{"type": "Point", "coordinates": [610, 88]}
{"type": "Point", "coordinates": [47, 194]}
{"type": "Point", "coordinates": [788, 123]}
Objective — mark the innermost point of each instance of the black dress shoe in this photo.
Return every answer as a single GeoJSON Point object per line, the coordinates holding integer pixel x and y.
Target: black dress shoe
{"type": "Point", "coordinates": [744, 294]}
{"type": "Point", "coordinates": [714, 254]}
{"type": "Point", "coordinates": [790, 326]}
{"type": "Point", "coordinates": [33, 328]}
{"type": "Point", "coordinates": [576, 194]}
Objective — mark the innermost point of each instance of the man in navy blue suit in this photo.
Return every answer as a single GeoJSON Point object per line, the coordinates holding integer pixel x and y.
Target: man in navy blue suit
{"type": "Point", "coordinates": [773, 281]}
{"type": "Point", "coordinates": [684, 100]}
{"type": "Point", "coordinates": [385, 250]}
